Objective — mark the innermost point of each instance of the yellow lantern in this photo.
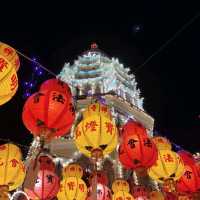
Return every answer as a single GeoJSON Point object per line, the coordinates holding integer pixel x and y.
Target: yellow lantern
{"type": "Point", "coordinates": [10, 54]}
{"type": "Point", "coordinates": [122, 195]}
{"type": "Point", "coordinates": [97, 109]}
{"type": "Point", "coordinates": [8, 80]}
{"type": "Point", "coordinates": [156, 195]}
{"type": "Point", "coordinates": [169, 165]}
{"type": "Point", "coordinates": [11, 150]}
{"type": "Point", "coordinates": [120, 185]}
{"type": "Point", "coordinates": [96, 135]}
{"type": "Point", "coordinates": [162, 143]}
{"type": "Point", "coordinates": [72, 188]}
{"type": "Point", "coordinates": [12, 171]}
{"type": "Point", "coordinates": [73, 170]}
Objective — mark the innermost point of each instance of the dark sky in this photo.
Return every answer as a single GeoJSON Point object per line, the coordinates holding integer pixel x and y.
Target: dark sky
{"type": "Point", "coordinates": [169, 82]}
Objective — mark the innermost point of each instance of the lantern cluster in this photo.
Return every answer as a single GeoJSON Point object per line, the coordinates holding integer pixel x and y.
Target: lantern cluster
{"type": "Point", "coordinates": [50, 112]}
{"type": "Point", "coordinates": [96, 135]}
{"type": "Point", "coordinates": [12, 169]}
{"type": "Point", "coordinates": [72, 186]}
{"type": "Point", "coordinates": [47, 182]}
{"type": "Point", "coordinates": [121, 190]}
{"type": "Point", "coordinates": [9, 65]}
{"type": "Point", "coordinates": [136, 150]}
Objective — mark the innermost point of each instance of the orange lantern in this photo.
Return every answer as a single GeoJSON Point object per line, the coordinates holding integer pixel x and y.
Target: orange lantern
{"type": "Point", "coordinates": [55, 85]}
{"type": "Point", "coordinates": [137, 149]}
{"type": "Point", "coordinates": [8, 80]}
{"type": "Point", "coordinates": [48, 114]}
{"type": "Point", "coordinates": [120, 185]}
{"type": "Point", "coordinates": [156, 195]}
{"type": "Point", "coordinates": [96, 135]}
{"type": "Point", "coordinates": [122, 195]}
{"type": "Point", "coordinates": [12, 170]}
{"type": "Point", "coordinates": [10, 54]}
{"type": "Point", "coordinates": [46, 186]}
{"type": "Point", "coordinates": [162, 143]}
{"type": "Point", "coordinates": [73, 170]}
{"type": "Point", "coordinates": [72, 188]}
{"type": "Point", "coordinates": [133, 128]}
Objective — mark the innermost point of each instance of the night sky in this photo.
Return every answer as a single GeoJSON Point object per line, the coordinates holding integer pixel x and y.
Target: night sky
{"type": "Point", "coordinates": [169, 82]}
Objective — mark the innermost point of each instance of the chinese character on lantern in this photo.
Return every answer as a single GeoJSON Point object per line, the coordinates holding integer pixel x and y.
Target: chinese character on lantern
{"type": "Point", "coordinates": [8, 51]}
{"type": "Point", "coordinates": [131, 143]}
{"type": "Point", "coordinates": [58, 97]}
{"type": "Point", "coordinates": [109, 127]}
{"type": "Point", "coordinates": [71, 185]}
{"type": "Point", "coordinates": [3, 64]}
{"type": "Point", "coordinates": [91, 125]}
{"type": "Point", "coordinates": [14, 82]}
{"type": "Point", "coordinates": [81, 187]}
{"type": "Point", "coordinates": [168, 158]}
{"type": "Point", "coordinates": [148, 143]}
{"type": "Point", "coordinates": [188, 174]}
{"type": "Point", "coordinates": [93, 107]}
{"type": "Point", "coordinates": [14, 162]}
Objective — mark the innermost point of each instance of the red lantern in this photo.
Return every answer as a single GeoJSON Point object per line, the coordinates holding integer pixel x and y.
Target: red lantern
{"type": "Point", "coordinates": [132, 127]}
{"type": "Point", "coordinates": [139, 191]}
{"type": "Point", "coordinates": [46, 186]}
{"type": "Point", "coordinates": [46, 163]}
{"type": "Point", "coordinates": [51, 111]}
{"type": "Point", "coordinates": [55, 85]}
{"type": "Point", "coordinates": [187, 157]}
{"type": "Point", "coordinates": [101, 177]}
{"type": "Point", "coordinates": [103, 193]}
{"type": "Point", "coordinates": [190, 181]}
{"type": "Point", "coordinates": [137, 150]}
{"type": "Point", "coordinates": [170, 196]}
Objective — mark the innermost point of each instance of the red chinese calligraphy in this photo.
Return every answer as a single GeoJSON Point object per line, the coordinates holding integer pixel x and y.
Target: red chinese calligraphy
{"type": "Point", "coordinates": [8, 51]}
{"type": "Point", "coordinates": [104, 109]}
{"type": "Point", "coordinates": [119, 198]}
{"type": "Point", "coordinates": [168, 158]}
{"type": "Point", "coordinates": [93, 107]}
{"type": "Point", "coordinates": [14, 82]}
{"type": "Point", "coordinates": [14, 162]}
{"type": "Point", "coordinates": [91, 125]}
{"type": "Point", "coordinates": [81, 187]}
{"type": "Point", "coordinates": [2, 147]}
{"type": "Point", "coordinates": [109, 127]}
{"type": "Point", "coordinates": [1, 163]}
{"type": "Point", "coordinates": [71, 185]}
{"type": "Point", "coordinates": [78, 134]}
{"type": "Point", "coordinates": [128, 198]}
{"type": "Point", "coordinates": [3, 64]}
{"type": "Point", "coordinates": [72, 168]}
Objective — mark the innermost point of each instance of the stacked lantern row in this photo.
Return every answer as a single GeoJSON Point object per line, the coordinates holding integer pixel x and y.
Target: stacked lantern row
{"type": "Point", "coordinates": [9, 65]}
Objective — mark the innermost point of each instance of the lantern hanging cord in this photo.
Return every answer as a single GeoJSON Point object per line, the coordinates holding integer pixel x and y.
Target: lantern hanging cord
{"type": "Point", "coordinates": [31, 60]}
{"type": "Point", "coordinates": [169, 41]}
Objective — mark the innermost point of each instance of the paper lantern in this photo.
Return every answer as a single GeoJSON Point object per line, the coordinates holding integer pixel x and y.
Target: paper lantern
{"type": "Point", "coordinates": [170, 196]}
{"type": "Point", "coordinates": [190, 180]}
{"type": "Point", "coordinates": [101, 177]}
{"type": "Point", "coordinates": [73, 170]}
{"type": "Point", "coordinates": [8, 80]}
{"type": "Point", "coordinates": [169, 165]}
{"type": "Point", "coordinates": [133, 128]}
{"type": "Point", "coordinates": [46, 163]}
{"type": "Point", "coordinates": [12, 170]}
{"type": "Point", "coordinates": [12, 150]}
{"type": "Point", "coordinates": [103, 193]}
{"type": "Point", "coordinates": [139, 191]}
{"type": "Point", "coordinates": [156, 195]}
{"type": "Point", "coordinates": [137, 151]}
{"type": "Point", "coordinates": [187, 157]}
{"type": "Point", "coordinates": [51, 111]}
{"type": "Point", "coordinates": [120, 185]}
{"type": "Point", "coordinates": [55, 85]}
{"type": "Point", "coordinates": [10, 54]}
{"type": "Point", "coordinates": [122, 195]}
{"type": "Point", "coordinates": [72, 188]}
{"type": "Point", "coordinates": [162, 143]}
{"type": "Point", "coordinates": [96, 135]}
{"type": "Point", "coordinates": [97, 109]}
{"type": "Point", "coordinates": [184, 197]}
{"type": "Point", "coordinates": [46, 186]}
